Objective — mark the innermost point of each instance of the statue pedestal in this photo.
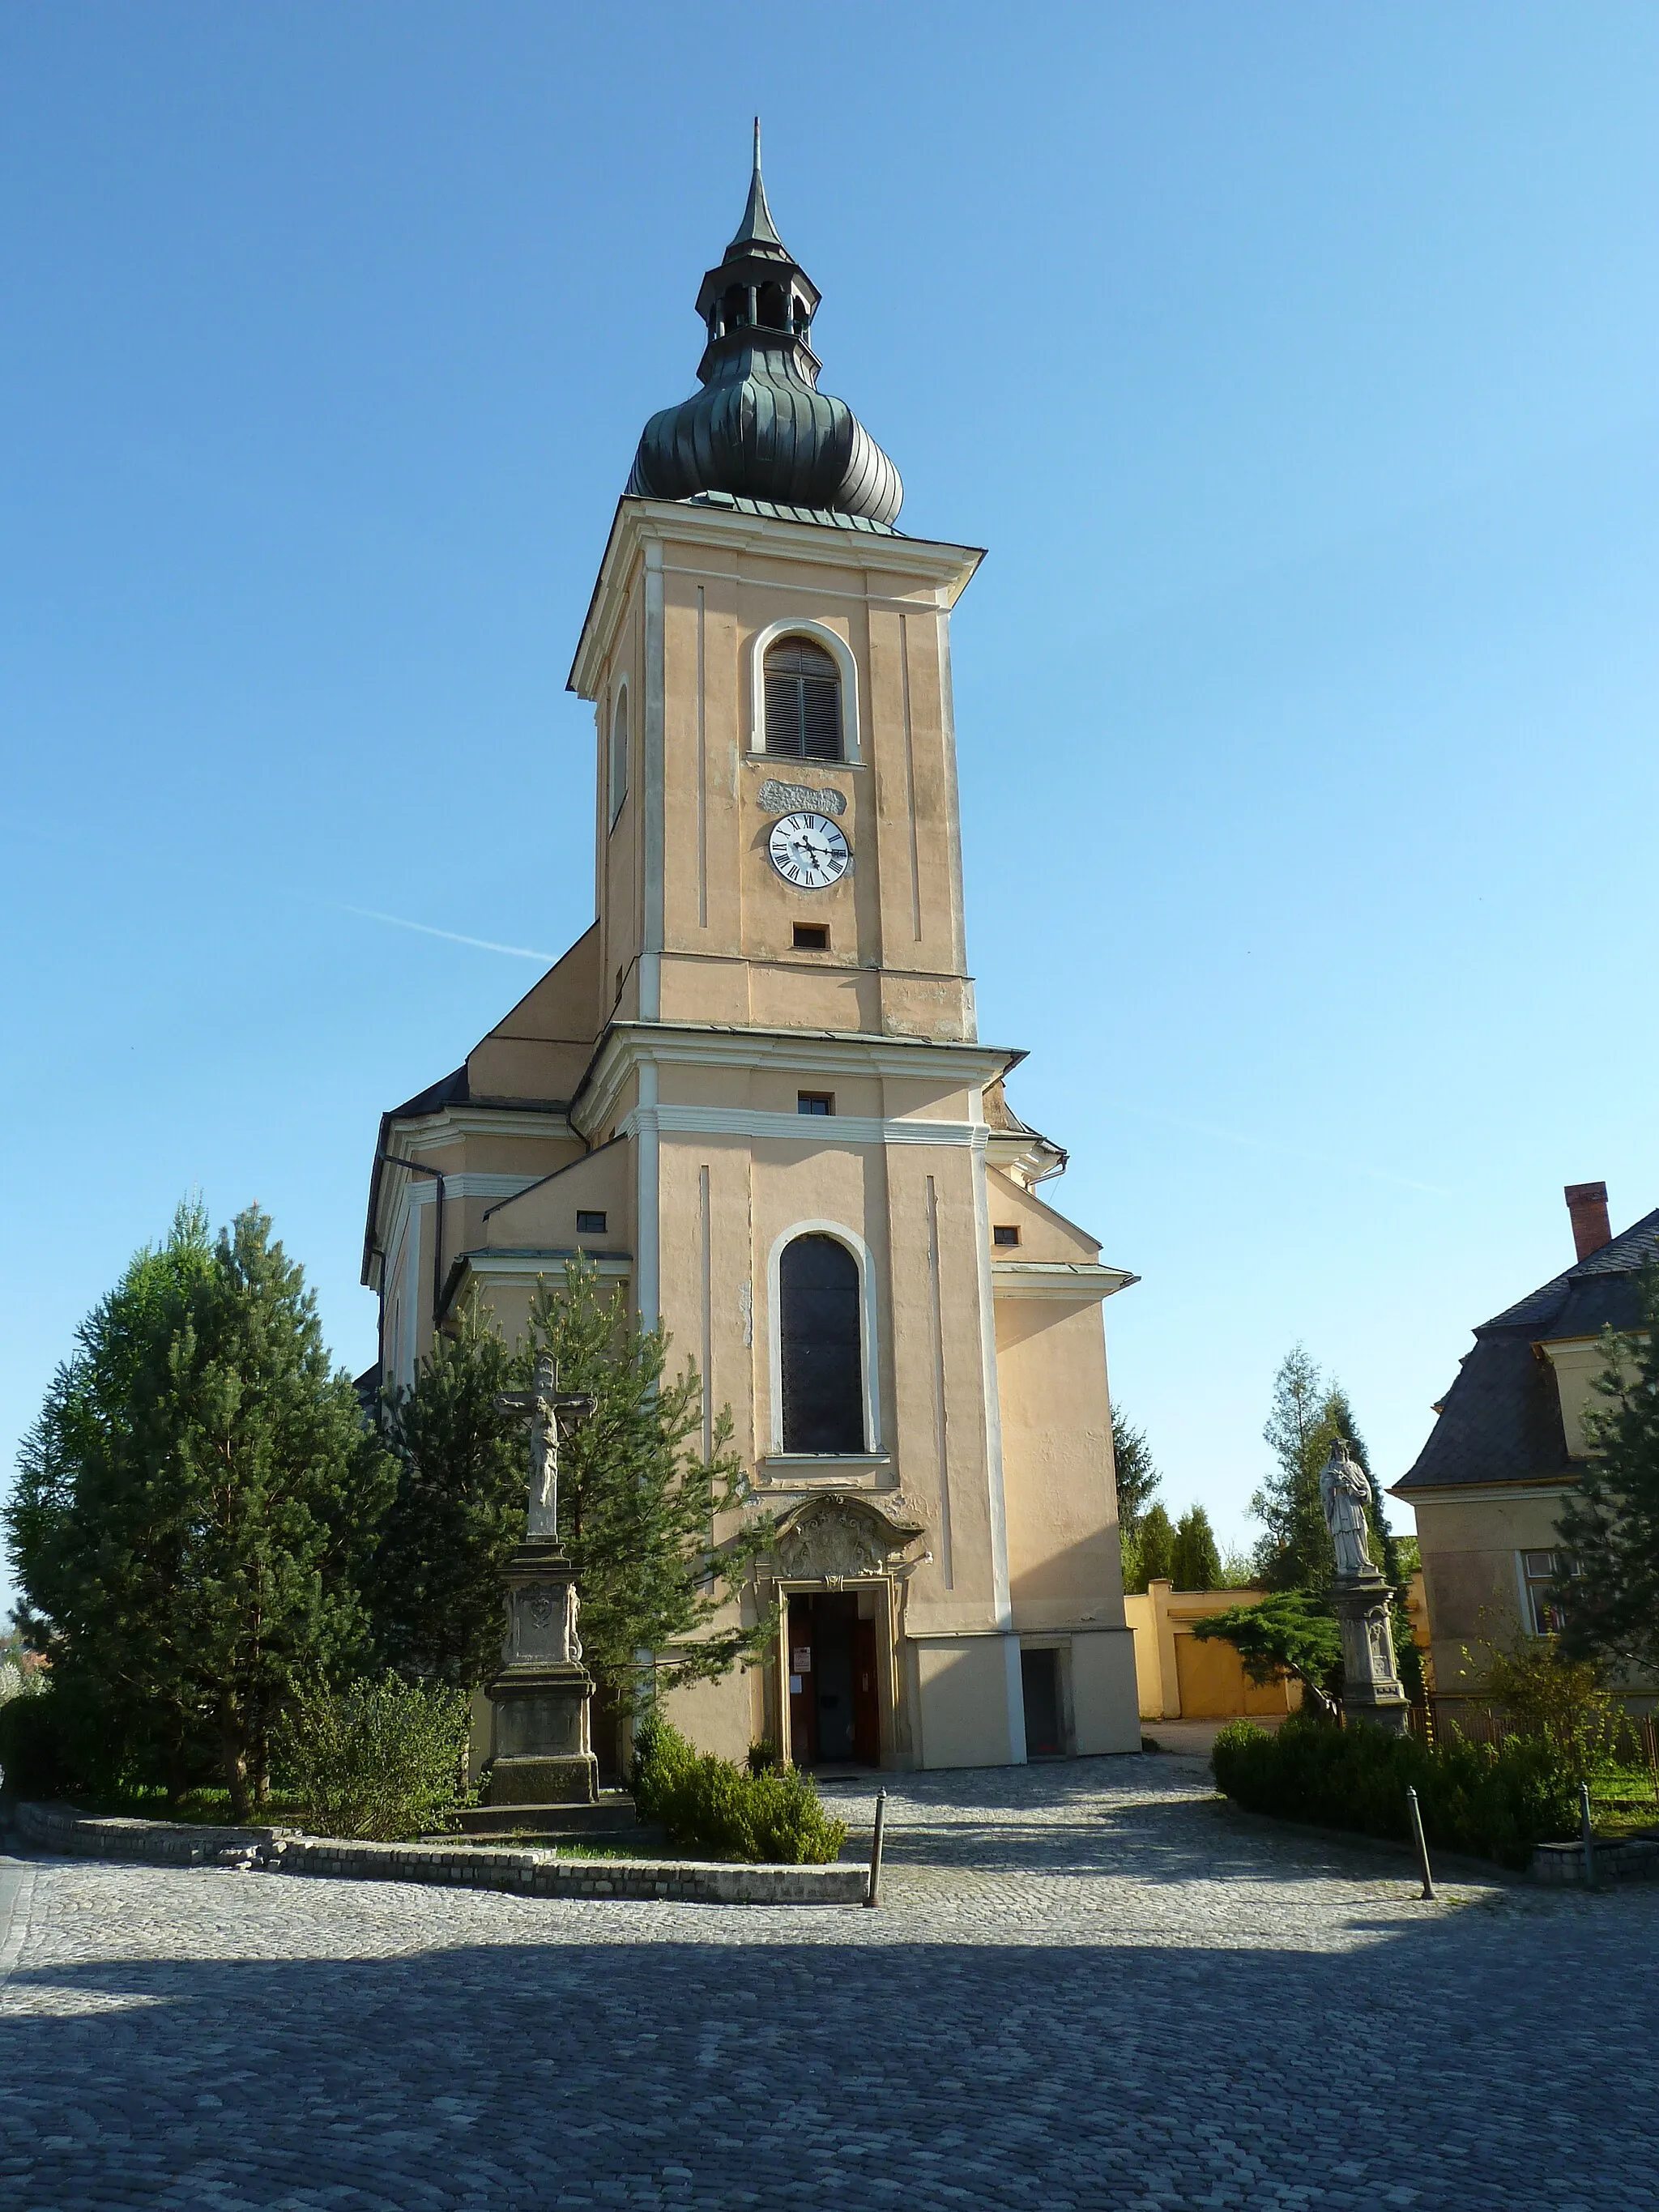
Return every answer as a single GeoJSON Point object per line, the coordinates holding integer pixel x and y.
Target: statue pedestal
{"type": "Point", "coordinates": [541, 1751]}
{"type": "Point", "coordinates": [1370, 1688]}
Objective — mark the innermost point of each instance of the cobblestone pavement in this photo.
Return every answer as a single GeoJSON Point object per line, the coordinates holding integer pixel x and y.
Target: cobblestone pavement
{"type": "Point", "coordinates": [1089, 1987]}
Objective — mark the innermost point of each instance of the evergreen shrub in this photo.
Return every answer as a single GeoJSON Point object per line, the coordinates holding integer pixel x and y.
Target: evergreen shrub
{"type": "Point", "coordinates": [378, 1763]}
{"type": "Point", "coordinates": [1493, 1803]}
{"type": "Point", "coordinates": [774, 1818]}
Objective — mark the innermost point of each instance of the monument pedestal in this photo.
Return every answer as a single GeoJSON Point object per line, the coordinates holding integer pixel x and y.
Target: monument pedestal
{"type": "Point", "coordinates": [541, 1753]}
{"type": "Point", "coordinates": [1370, 1687]}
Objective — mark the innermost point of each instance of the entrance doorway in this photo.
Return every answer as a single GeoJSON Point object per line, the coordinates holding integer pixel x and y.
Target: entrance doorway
{"type": "Point", "coordinates": [1039, 1676]}
{"type": "Point", "coordinates": [835, 1712]}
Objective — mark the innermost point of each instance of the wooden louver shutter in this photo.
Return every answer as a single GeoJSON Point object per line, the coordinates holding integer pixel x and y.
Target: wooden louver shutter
{"type": "Point", "coordinates": [803, 701]}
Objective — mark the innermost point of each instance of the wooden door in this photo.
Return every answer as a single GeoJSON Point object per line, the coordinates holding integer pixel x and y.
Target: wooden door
{"type": "Point", "coordinates": [866, 1702]}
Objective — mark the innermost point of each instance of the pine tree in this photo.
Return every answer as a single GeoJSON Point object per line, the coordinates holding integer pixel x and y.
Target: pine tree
{"type": "Point", "coordinates": [195, 1505]}
{"type": "Point", "coordinates": [1609, 1527]}
{"type": "Point", "coordinates": [642, 1501]}
{"type": "Point", "coordinates": [98, 1537]}
{"type": "Point", "coordinates": [1194, 1558]}
{"type": "Point", "coordinates": [1136, 1478]}
{"type": "Point", "coordinates": [1296, 1551]}
{"type": "Point", "coordinates": [265, 1446]}
{"type": "Point", "coordinates": [435, 1587]}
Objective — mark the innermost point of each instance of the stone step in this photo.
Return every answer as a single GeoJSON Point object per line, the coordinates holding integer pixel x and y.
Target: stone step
{"type": "Point", "coordinates": [613, 1815]}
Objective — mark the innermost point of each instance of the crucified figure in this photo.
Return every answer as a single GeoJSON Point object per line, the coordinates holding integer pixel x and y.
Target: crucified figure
{"type": "Point", "coordinates": [552, 1417]}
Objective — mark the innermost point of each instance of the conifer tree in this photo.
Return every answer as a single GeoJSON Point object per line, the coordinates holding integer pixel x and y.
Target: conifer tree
{"type": "Point", "coordinates": [638, 1502]}
{"type": "Point", "coordinates": [1309, 1414]}
{"type": "Point", "coordinates": [1609, 1527]}
{"type": "Point", "coordinates": [643, 1488]}
{"type": "Point", "coordinates": [197, 1500]}
{"type": "Point", "coordinates": [99, 1536]}
{"type": "Point", "coordinates": [1154, 1547]}
{"type": "Point", "coordinates": [1194, 1557]}
{"type": "Point", "coordinates": [434, 1588]}
{"type": "Point", "coordinates": [1136, 1478]}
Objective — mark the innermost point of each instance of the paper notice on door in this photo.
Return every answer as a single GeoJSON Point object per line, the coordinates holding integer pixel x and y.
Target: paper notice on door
{"type": "Point", "coordinates": [801, 1660]}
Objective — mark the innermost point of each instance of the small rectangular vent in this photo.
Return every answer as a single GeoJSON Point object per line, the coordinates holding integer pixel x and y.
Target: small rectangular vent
{"type": "Point", "coordinates": [590, 1224]}
{"type": "Point", "coordinates": [811, 937]}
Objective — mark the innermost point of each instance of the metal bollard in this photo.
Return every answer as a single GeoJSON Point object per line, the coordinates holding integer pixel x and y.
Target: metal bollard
{"type": "Point", "coordinates": [1422, 1842]}
{"type": "Point", "coordinates": [872, 1892]}
{"type": "Point", "coordinates": [1588, 1833]}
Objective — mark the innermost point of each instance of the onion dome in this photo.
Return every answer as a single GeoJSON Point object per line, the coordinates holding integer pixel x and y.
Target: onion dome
{"type": "Point", "coordinates": [760, 428]}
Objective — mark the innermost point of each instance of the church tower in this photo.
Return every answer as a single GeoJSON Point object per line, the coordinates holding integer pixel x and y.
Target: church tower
{"type": "Point", "coordinates": [755, 1091]}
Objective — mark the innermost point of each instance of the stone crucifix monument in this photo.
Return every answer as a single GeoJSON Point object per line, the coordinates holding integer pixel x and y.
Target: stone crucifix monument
{"type": "Point", "coordinates": [542, 1754]}
{"type": "Point", "coordinates": [1360, 1596]}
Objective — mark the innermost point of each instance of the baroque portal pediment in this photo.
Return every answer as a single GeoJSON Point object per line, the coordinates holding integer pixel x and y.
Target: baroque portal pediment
{"type": "Point", "coordinates": [839, 1538]}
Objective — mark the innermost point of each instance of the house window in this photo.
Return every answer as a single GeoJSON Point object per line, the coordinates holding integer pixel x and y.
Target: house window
{"type": "Point", "coordinates": [619, 755]}
{"type": "Point", "coordinates": [1540, 1572]}
{"type": "Point", "coordinates": [590, 1224]}
{"type": "Point", "coordinates": [803, 701]}
{"type": "Point", "coordinates": [822, 1365]}
{"type": "Point", "coordinates": [811, 937]}
{"type": "Point", "coordinates": [815, 1102]}
{"type": "Point", "coordinates": [1005, 1233]}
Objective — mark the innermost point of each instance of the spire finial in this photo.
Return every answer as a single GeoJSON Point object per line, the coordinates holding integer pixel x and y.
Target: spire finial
{"type": "Point", "coordinates": [757, 228]}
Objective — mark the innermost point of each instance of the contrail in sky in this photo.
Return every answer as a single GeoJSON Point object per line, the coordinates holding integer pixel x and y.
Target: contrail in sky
{"type": "Point", "coordinates": [1285, 1152]}
{"type": "Point", "coordinates": [454, 936]}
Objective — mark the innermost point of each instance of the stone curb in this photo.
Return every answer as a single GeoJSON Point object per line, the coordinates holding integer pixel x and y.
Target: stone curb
{"type": "Point", "coordinates": [1456, 1866]}
{"type": "Point", "coordinates": [526, 1873]}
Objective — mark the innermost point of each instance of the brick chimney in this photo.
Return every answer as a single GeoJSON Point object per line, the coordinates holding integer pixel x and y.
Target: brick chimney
{"type": "Point", "coordinates": [1586, 1203]}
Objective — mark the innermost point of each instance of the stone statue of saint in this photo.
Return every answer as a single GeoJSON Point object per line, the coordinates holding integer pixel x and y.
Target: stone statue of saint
{"type": "Point", "coordinates": [552, 1418]}
{"type": "Point", "coordinates": [1345, 1493]}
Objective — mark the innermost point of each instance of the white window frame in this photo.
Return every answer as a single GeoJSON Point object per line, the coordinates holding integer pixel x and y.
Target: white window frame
{"type": "Point", "coordinates": [860, 1252]}
{"type": "Point", "coordinates": [1526, 1585]}
{"type": "Point", "coordinates": [616, 794]}
{"type": "Point", "coordinates": [841, 652]}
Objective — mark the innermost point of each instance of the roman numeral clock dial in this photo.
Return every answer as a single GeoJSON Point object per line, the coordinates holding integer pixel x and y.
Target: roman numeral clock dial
{"type": "Point", "coordinates": [809, 851]}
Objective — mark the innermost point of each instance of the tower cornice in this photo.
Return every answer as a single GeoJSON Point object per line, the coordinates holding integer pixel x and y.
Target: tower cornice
{"type": "Point", "coordinates": [939, 569]}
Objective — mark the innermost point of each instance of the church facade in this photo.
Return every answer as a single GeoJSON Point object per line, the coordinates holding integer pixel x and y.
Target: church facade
{"type": "Point", "coordinates": [754, 1092]}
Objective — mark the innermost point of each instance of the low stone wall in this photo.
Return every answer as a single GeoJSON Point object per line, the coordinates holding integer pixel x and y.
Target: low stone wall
{"type": "Point", "coordinates": [1631, 1858]}
{"type": "Point", "coordinates": [158, 1843]}
{"type": "Point", "coordinates": [526, 1873]}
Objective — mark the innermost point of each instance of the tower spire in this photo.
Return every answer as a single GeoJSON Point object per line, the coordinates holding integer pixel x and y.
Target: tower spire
{"type": "Point", "coordinates": [757, 228]}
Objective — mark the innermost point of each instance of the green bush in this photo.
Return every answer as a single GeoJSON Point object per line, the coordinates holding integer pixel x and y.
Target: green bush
{"type": "Point", "coordinates": [34, 1761]}
{"type": "Point", "coordinates": [1494, 1804]}
{"type": "Point", "coordinates": [379, 1762]}
{"type": "Point", "coordinates": [774, 1817]}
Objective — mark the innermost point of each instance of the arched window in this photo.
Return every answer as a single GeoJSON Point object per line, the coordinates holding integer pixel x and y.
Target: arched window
{"type": "Point", "coordinates": [774, 305]}
{"type": "Point", "coordinates": [734, 307]}
{"type": "Point", "coordinates": [803, 701]}
{"type": "Point", "coordinates": [618, 756]}
{"type": "Point", "coordinates": [823, 1368]}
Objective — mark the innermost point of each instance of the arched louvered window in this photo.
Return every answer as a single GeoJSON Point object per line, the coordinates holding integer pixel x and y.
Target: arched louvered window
{"type": "Point", "coordinates": [618, 756]}
{"type": "Point", "coordinates": [803, 701]}
{"type": "Point", "coordinates": [822, 1365]}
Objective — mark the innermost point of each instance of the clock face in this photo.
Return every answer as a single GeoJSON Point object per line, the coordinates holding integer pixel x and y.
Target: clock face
{"type": "Point", "coordinates": [809, 851]}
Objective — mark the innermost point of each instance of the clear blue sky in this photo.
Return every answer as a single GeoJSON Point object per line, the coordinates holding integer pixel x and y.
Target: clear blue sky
{"type": "Point", "coordinates": [1296, 363]}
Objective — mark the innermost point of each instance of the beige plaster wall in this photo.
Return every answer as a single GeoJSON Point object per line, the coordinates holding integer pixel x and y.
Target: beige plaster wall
{"type": "Point", "coordinates": [1065, 1563]}
{"type": "Point", "coordinates": [1471, 1576]}
{"type": "Point", "coordinates": [1103, 1701]}
{"type": "Point", "coordinates": [963, 1688]}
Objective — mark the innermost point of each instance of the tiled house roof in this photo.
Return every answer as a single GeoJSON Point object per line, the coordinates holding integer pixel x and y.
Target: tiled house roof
{"type": "Point", "coordinates": [1501, 1420]}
